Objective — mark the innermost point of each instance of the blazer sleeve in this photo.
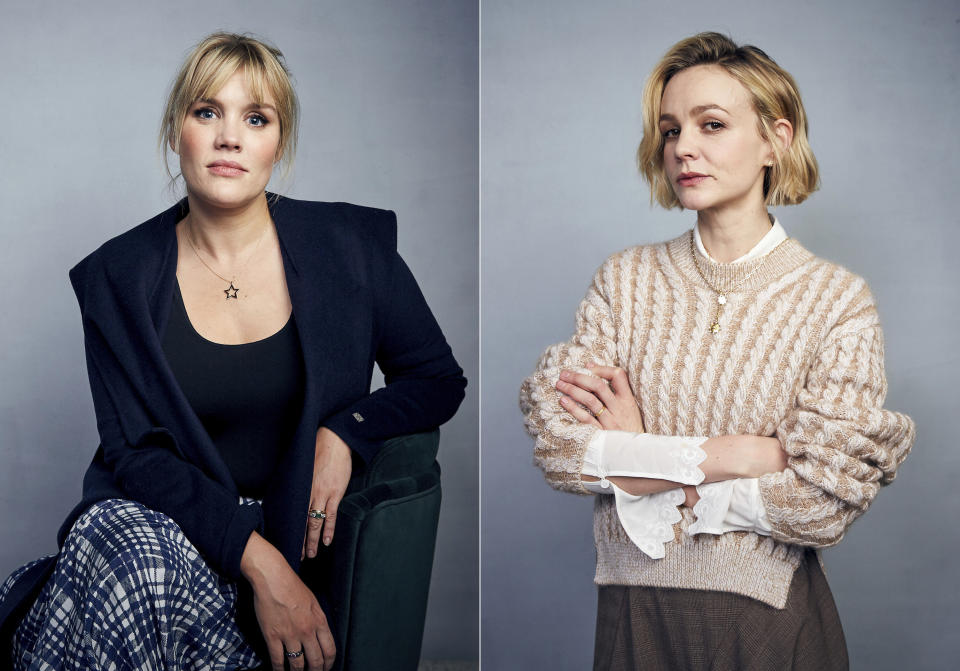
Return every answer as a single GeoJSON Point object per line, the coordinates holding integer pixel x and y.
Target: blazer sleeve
{"type": "Point", "coordinates": [841, 444]}
{"type": "Point", "coordinates": [148, 467]}
{"type": "Point", "coordinates": [562, 441]}
{"type": "Point", "coordinates": [424, 385]}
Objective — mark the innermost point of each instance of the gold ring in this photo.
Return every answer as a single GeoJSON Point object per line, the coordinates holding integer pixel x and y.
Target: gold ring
{"type": "Point", "coordinates": [602, 408]}
{"type": "Point", "coordinates": [316, 513]}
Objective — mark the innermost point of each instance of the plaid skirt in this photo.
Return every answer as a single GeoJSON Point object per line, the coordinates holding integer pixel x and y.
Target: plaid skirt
{"type": "Point", "coordinates": [130, 593]}
{"type": "Point", "coordinates": [660, 629]}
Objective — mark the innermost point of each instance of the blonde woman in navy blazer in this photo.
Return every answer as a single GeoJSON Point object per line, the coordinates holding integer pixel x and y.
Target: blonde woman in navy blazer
{"type": "Point", "coordinates": [245, 266]}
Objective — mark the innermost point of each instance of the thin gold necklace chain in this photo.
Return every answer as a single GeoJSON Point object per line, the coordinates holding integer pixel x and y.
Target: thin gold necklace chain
{"type": "Point", "coordinates": [231, 288]}
{"type": "Point", "coordinates": [721, 293]}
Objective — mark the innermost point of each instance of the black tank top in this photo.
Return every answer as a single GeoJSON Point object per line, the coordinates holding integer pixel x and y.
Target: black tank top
{"type": "Point", "coordinates": [248, 397]}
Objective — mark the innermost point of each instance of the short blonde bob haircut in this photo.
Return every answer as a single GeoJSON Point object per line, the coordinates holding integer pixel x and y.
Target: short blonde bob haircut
{"type": "Point", "coordinates": [775, 95]}
{"type": "Point", "coordinates": [208, 67]}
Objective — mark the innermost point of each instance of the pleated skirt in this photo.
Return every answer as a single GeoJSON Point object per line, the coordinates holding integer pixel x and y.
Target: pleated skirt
{"type": "Point", "coordinates": [130, 593]}
{"type": "Point", "coordinates": [654, 629]}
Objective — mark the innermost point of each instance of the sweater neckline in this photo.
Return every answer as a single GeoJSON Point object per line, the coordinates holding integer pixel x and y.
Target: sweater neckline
{"type": "Point", "coordinates": [754, 274]}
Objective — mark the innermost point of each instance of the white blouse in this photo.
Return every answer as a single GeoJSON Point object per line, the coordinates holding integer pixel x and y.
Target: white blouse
{"type": "Point", "coordinates": [728, 505]}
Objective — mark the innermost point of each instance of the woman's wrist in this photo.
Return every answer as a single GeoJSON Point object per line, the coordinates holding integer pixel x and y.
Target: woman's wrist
{"type": "Point", "coordinates": [741, 456]}
{"type": "Point", "coordinates": [258, 555]}
{"type": "Point", "coordinates": [728, 457]}
{"type": "Point", "coordinates": [771, 457]}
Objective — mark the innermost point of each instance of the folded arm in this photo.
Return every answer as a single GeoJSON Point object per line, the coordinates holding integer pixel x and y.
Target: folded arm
{"type": "Point", "coordinates": [151, 470]}
{"type": "Point", "coordinates": [561, 440]}
{"type": "Point", "coordinates": [841, 444]}
{"type": "Point", "coordinates": [424, 385]}
{"type": "Point", "coordinates": [603, 398]}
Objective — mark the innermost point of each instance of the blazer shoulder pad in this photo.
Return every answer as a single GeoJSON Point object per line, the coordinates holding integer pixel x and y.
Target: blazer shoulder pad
{"type": "Point", "coordinates": [347, 222]}
{"type": "Point", "coordinates": [135, 254]}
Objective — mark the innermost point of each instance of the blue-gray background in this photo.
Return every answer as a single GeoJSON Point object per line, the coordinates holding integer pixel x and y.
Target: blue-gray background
{"type": "Point", "coordinates": [389, 97]}
{"type": "Point", "coordinates": [560, 108]}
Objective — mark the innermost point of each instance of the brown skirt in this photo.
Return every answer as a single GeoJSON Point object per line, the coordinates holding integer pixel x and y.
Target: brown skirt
{"type": "Point", "coordinates": [652, 628]}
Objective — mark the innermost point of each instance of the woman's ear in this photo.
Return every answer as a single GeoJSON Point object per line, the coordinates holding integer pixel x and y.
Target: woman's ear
{"type": "Point", "coordinates": [782, 135]}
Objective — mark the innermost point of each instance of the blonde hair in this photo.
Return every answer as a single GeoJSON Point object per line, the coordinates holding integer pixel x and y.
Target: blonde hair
{"type": "Point", "coordinates": [774, 94]}
{"type": "Point", "coordinates": [208, 67]}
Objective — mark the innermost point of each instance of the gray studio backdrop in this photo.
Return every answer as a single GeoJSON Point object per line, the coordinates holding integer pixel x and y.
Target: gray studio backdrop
{"type": "Point", "coordinates": [389, 98]}
{"type": "Point", "coordinates": [560, 107]}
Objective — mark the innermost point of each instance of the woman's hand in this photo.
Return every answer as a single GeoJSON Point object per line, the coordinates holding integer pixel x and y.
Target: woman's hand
{"type": "Point", "coordinates": [287, 611]}
{"type": "Point", "coordinates": [605, 401]}
{"type": "Point", "coordinates": [332, 466]}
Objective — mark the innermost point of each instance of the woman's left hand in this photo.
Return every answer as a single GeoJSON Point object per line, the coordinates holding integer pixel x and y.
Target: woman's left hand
{"type": "Point", "coordinates": [332, 466]}
{"type": "Point", "coordinates": [603, 399]}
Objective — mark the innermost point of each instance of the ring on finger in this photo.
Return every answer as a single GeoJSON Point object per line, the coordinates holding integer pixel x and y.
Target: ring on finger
{"type": "Point", "coordinates": [600, 411]}
{"type": "Point", "coordinates": [317, 513]}
{"type": "Point", "coordinates": [294, 655]}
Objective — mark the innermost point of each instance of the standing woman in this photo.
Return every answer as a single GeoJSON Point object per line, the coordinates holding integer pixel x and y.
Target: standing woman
{"type": "Point", "coordinates": [230, 343]}
{"type": "Point", "coordinates": [722, 393]}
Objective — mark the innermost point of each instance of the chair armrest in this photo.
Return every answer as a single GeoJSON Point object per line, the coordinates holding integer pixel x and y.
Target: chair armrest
{"type": "Point", "coordinates": [403, 456]}
{"type": "Point", "coordinates": [373, 582]}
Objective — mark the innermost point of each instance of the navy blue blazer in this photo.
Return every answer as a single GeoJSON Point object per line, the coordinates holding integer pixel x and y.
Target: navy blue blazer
{"type": "Point", "coordinates": [355, 303]}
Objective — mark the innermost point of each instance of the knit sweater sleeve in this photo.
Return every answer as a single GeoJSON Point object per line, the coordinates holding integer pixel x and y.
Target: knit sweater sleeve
{"type": "Point", "coordinates": [842, 445]}
{"type": "Point", "coordinates": [561, 441]}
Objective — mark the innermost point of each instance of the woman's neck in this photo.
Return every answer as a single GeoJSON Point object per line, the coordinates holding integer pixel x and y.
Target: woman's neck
{"type": "Point", "coordinates": [729, 235]}
{"type": "Point", "coordinates": [226, 234]}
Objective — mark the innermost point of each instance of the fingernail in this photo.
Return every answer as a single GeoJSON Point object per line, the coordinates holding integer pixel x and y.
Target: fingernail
{"type": "Point", "coordinates": [565, 375]}
{"type": "Point", "coordinates": [326, 541]}
{"type": "Point", "coordinates": [311, 553]}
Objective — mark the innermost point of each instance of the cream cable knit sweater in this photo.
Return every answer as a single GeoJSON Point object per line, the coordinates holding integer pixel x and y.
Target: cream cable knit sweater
{"type": "Point", "coordinates": [799, 356]}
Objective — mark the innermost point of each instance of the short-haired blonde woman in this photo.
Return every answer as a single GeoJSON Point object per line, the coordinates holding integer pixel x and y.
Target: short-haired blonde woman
{"type": "Point", "coordinates": [723, 392]}
{"type": "Point", "coordinates": [230, 342]}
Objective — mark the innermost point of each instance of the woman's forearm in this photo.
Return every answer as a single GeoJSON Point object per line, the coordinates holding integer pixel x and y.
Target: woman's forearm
{"type": "Point", "coordinates": [728, 458]}
{"type": "Point", "coordinates": [636, 486]}
{"type": "Point", "coordinates": [259, 556]}
{"type": "Point", "coordinates": [731, 457]}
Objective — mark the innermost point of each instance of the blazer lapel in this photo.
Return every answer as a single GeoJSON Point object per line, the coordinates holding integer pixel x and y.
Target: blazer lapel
{"type": "Point", "coordinates": [308, 275]}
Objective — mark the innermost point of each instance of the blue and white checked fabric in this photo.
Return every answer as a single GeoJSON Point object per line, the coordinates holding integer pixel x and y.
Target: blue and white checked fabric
{"type": "Point", "coordinates": [130, 593]}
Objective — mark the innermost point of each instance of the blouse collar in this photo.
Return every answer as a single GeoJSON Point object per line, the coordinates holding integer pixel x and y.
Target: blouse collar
{"type": "Point", "coordinates": [767, 243]}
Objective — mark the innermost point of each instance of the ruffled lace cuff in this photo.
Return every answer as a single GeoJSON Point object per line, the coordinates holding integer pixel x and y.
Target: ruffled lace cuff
{"type": "Point", "coordinates": [730, 505]}
{"type": "Point", "coordinates": [644, 455]}
{"type": "Point", "coordinates": [648, 520]}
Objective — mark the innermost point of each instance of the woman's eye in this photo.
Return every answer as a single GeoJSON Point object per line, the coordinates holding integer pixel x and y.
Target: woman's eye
{"type": "Point", "coordinates": [204, 113]}
{"type": "Point", "coordinates": [713, 125]}
{"type": "Point", "coordinates": [257, 120]}
{"type": "Point", "coordinates": [671, 132]}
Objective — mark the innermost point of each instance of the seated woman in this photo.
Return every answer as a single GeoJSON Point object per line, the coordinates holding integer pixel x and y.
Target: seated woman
{"type": "Point", "coordinates": [230, 343]}
{"type": "Point", "coordinates": [724, 390]}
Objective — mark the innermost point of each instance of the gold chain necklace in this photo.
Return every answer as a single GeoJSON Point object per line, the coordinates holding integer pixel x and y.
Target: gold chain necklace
{"type": "Point", "coordinates": [722, 293]}
{"type": "Point", "coordinates": [232, 290]}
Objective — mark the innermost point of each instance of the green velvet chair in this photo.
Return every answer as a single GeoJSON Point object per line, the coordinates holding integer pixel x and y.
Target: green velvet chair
{"type": "Point", "coordinates": [374, 579]}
